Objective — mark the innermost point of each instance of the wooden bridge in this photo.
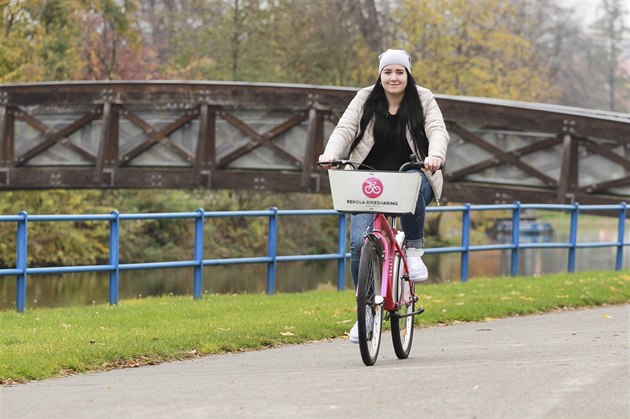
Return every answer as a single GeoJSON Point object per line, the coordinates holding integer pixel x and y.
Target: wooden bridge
{"type": "Point", "coordinates": [215, 135]}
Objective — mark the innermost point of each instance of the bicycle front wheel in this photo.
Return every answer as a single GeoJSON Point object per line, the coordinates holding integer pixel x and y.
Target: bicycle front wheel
{"type": "Point", "coordinates": [402, 318]}
{"type": "Point", "coordinates": [369, 302]}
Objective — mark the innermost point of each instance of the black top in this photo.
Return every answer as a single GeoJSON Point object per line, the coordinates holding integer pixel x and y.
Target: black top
{"type": "Point", "coordinates": [391, 152]}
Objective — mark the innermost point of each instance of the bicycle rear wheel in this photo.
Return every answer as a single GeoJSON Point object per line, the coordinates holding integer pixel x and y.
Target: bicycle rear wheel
{"type": "Point", "coordinates": [369, 303]}
{"type": "Point", "coordinates": [402, 318]}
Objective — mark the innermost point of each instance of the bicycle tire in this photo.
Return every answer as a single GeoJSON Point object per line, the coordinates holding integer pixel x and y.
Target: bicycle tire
{"type": "Point", "coordinates": [402, 327]}
{"type": "Point", "coordinates": [369, 308]}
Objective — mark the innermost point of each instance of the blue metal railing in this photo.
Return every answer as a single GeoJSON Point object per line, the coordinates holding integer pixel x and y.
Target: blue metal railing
{"type": "Point", "coordinates": [21, 271]}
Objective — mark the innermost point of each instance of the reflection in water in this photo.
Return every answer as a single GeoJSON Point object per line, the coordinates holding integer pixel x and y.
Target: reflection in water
{"type": "Point", "coordinates": [93, 288]}
{"type": "Point", "coordinates": [532, 262]}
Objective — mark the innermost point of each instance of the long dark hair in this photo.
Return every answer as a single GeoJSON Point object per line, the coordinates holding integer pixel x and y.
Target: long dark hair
{"type": "Point", "coordinates": [410, 113]}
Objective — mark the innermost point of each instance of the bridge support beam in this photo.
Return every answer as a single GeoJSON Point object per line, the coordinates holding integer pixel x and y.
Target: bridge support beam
{"type": "Point", "coordinates": [205, 157]}
{"type": "Point", "coordinates": [568, 182]}
{"type": "Point", "coordinates": [313, 144]}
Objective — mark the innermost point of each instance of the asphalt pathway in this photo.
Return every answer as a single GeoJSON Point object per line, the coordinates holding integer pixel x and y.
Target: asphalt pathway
{"type": "Point", "coordinates": [569, 364]}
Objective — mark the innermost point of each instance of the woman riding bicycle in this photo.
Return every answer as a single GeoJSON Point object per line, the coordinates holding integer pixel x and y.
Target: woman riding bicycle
{"type": "Point", "coordinates": [382, 126]}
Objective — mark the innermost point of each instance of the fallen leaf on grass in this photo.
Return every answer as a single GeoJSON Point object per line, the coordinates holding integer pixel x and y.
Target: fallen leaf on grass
{"type": "Point", "coordinates": [287, 334]}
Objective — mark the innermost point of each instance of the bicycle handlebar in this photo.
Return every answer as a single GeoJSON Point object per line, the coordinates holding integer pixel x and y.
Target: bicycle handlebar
{"type": "Point", "coordinates": [413, 164]}
{"type": "Point", "coordinates": [343, 163]}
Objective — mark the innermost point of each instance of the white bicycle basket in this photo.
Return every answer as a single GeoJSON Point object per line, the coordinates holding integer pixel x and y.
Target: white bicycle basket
{"type": "Point", "coordinates": [368, 191]}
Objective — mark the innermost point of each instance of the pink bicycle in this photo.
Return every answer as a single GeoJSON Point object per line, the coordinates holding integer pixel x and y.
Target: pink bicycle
{"type": "Point", "coordinates": [384, 290]}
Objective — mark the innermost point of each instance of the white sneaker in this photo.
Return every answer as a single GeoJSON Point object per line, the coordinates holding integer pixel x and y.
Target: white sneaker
{"type": "Point", "coordinates": [418, 271]}
{"type": "Point", "coordinates": [353, 336]}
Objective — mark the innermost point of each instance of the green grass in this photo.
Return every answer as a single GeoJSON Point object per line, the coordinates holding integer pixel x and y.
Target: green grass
{"type": "Point", "coordinates": [43, 343]}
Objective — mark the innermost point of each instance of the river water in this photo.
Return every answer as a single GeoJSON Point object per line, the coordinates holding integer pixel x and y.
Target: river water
{"type": "Point", "coordinates": [92, 288]}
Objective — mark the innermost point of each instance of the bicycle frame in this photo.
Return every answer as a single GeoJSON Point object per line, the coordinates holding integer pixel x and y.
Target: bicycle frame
{"type": "Point", "coordinates": [385, 235]}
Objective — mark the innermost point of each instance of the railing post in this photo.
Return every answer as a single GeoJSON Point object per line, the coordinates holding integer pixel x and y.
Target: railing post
{"type": "Point", "coordinates": [114, 257]}
{"type": "Point", "coordinates": [198, 270]}
{"type": "Point", "coordinates": [620, 236]}
{"type": "Point", "coordinates": [465, 243]}
{"type": "Point", "coordinates": [21, 261]}
{"type": "Point", "coordinates": [573, 237]}
{"type": "Point", "coordinates": [341, 249]}
{"type": "Point", "coordinates": [516, 236]}
{"type": "Point", "coordinates": [272, 249]}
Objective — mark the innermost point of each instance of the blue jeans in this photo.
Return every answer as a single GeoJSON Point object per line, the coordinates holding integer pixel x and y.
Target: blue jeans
{"type": "Point", "coordinates": [412, 225]}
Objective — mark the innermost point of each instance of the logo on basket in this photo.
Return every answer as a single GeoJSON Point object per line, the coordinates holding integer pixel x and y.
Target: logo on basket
{"type": "Point", "coordinates": [372, 187]}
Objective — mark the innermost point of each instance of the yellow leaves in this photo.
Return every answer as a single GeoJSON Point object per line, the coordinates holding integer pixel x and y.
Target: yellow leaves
{"type": "Point", "coordinates": [287, 332]}
{"type": "Point", "coordinates": [471, 48]}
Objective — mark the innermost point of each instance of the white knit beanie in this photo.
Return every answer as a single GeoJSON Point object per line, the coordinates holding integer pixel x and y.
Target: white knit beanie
{"type": "Point", "coordinates": [394, 56]}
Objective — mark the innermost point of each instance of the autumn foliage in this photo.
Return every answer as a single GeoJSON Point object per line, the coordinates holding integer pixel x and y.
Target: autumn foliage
{"type": "Point", "coordinates": [529, 50]}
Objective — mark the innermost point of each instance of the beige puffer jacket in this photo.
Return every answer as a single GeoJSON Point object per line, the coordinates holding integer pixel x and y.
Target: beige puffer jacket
{"type": "Point", "coordinates": [348, 129]}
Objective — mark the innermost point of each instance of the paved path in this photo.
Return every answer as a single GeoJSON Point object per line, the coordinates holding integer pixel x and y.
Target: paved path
{"type": "Point", "coordinates": [571, 364]}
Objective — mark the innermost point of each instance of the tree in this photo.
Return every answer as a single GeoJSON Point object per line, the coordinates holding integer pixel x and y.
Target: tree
{"type": "Point", "coordinates": [113, 47]}
{"type": "Point", "coordinates": [469, 48]}
{"type": "Point", "coordinates": [314, 42]}
{"type": "Point", "coordinates": [60, 46]}
{"type": "Point", "coordinates": [612, 33]}
{"type": "Point", "coordinates": [531, 50]}
{"type": "Point", "coordinates": [218, 40]}
{"type": "Point", "coordinates": [41, 40]}
{"type": "Point", "coordinates": [20, 35]}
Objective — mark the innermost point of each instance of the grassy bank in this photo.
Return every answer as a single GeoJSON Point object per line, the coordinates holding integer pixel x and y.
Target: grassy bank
{"type": "Point", "coordinates": [43, 343]}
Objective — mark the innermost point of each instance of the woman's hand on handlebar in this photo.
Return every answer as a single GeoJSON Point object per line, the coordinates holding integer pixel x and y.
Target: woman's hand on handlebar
{"type": "Point", "coordinates": [326, 157]}
{"type": "Point", "coordinates": [432, 163]}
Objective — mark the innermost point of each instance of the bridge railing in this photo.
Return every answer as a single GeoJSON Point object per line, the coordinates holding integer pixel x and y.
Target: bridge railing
{"type": "Point", "coordinates": [114, 267]}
